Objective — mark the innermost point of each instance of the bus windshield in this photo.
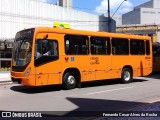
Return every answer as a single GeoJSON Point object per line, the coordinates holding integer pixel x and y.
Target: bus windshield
{"type": "Point", "coordinates": [22, 48]}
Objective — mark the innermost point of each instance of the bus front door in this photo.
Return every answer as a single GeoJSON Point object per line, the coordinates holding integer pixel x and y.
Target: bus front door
{"type": "Point", "coordinates": [41, 76]}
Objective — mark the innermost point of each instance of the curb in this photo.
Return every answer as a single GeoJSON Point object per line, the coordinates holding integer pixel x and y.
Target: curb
{"type": "Point", "coordinates": [5, 82]}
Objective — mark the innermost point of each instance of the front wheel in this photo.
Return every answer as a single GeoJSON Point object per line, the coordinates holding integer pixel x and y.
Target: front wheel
{"type": "Point", "coordinates": [69, 81]}
{"type": "Point", "coordinates": [126, 76]}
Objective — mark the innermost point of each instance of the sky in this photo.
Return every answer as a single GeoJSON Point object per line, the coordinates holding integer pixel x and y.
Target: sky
{"type": "Point", "coordinates": [100, 6]}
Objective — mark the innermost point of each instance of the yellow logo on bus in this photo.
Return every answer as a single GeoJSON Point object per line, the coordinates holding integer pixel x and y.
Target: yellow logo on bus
{"type": "Point", "coordinates": [61, 25]}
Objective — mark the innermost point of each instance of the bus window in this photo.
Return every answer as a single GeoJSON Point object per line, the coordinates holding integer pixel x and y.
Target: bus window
{"type": "Point", "coordinates": [76, 45]}
{"type": "Point", "coordinates": [100, 46]}
{"type": "Point", "coordinates": [45, 51]}
{"type": "Point", "coordinates": [137, 47]}
{"type": "Point", "coordinates": [120, 46]}
{"type": "Point", "coordinates": [147, 48]}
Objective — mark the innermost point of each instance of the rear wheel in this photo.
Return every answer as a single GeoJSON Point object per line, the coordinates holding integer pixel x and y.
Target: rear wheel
{"type": "Point", "coordinates": [126, 76]}
{"type": "Point", "coordinates": [69, 81]}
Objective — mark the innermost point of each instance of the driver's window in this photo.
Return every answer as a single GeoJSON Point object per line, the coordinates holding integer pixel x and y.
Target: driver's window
{"type": "Point", "coordinates": [46, 48]}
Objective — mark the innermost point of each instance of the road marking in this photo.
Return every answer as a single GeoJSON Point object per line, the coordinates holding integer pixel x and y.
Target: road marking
{"type": "Point", "coordinates": [110, 90]}
{"type": "Point", "coordinates": [74, 95]}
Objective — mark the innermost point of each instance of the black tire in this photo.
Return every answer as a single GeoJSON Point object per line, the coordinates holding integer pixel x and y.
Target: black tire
{"type": "Point", "coordinates": [126, 76]}
{"type": "Point", "coordinates": [69, 81]}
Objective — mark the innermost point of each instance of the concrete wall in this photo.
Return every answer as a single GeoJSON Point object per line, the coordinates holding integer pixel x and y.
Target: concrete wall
{"type": "Point", "coordinates": [156, 3]}
{"type": "Point", "coordinates": [142, 16]}
{"type": "Point", "coordinates": [118, 19]}
{"type": "Point", "coordinates": [16, 15]}
{"type": "Point", "coordinates": [150, 16]}
{"type": "Point", "coordinates": [147, 13]}
{"type": "Point", "coordinates": [132, 17]}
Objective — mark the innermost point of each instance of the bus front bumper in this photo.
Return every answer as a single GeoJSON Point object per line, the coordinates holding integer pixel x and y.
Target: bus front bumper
{"type": "Point", "coordinates": [22, 80]}
{"type": "Point", "coordinates": [16, 80]}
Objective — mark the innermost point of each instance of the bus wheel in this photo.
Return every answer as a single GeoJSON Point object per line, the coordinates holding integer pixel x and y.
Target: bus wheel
{"type": "Point", "coordinates": [126, 75]}
{"type": "Point", "coordinates": [69, 81]}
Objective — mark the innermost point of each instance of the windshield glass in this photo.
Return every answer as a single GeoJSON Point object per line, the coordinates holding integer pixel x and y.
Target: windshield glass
{"type": "Point", "coordinates": [22, 48]}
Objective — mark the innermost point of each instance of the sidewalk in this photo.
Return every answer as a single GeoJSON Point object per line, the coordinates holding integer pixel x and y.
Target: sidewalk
{"type": "Point", "coordinates": [5, 76]}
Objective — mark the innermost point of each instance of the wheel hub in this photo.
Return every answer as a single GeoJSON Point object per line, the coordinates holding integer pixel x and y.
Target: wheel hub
{"type": "Point", "coordinates": [127, 76]}
{"type": "Point", "coordinates": [71, 80]}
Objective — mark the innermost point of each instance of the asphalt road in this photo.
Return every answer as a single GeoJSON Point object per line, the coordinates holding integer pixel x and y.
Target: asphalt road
{"type": "Point", "coordinates": [92, 97]}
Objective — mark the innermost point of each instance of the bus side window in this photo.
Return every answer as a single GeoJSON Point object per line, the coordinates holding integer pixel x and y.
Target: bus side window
{"type": "Point", "coordinates": [147, 47]}
{"type": "Point", "coordinates": [137, 47]}
{"type": "Point", "coordinates": [120, 46]}
{"type": "Point", "coordinates": [100, 45]}
{"type": "Point", "coordinates": [76, 45]}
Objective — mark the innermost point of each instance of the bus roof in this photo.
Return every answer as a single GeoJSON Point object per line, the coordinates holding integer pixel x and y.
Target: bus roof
{"type": "Point", "coordinates": [89, 33]}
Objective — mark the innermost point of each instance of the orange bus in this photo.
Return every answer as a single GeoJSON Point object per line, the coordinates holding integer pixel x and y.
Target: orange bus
{"type": "Point", "coordinates": [46, 56]}
{"type": "Point", "coordinates": [156, 56]}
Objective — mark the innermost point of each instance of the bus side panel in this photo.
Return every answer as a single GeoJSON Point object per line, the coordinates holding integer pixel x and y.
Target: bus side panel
{"type": "Point", "coordinates": [82, 63]}
{"type": "Point", "coordinates": [137, 63]}
{"type": "Point", "coordinates": [93, 68]}
{"type": "Point", "coordinates": [103, 68]}
{"type": "Point", "coordinates": [87, 68]}
{"type": "Point", "coordinates": [140, 65]}
{"type": "Point", "coordinates": [30, 80]}
{"type": "Point", "coordinates": [48, 74]}
{"type": "Point", "coordinates": [41, 75]}
{"type": "Point", "coordinates": [148, 67]}
{"type": "Point", "coordinates": [117, 64]}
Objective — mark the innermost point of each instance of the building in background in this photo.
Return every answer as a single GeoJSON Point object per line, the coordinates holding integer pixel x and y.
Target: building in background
{"type": "Point", "coordinates": [147, 13]}
{"type": "Point", "coordinates": [16, 15]}
{"type": "Point", "coordinates": [151, 30]}
{"type": "Point", "coordinates": [118, 19]}
{"type": "Point", "coordinates": [143, 20]}
{"type": "Point", "coordinates": [65, 3]}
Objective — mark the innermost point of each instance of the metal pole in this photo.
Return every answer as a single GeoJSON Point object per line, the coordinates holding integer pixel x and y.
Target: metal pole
{"type": "Point", "coordinates": [108, 16]}
{"type": "Point", "coordinates": [118, 8]}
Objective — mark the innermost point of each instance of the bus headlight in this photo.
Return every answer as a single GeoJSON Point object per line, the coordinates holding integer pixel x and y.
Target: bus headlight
{"type": "Point", "coordinates": [27, 72]}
